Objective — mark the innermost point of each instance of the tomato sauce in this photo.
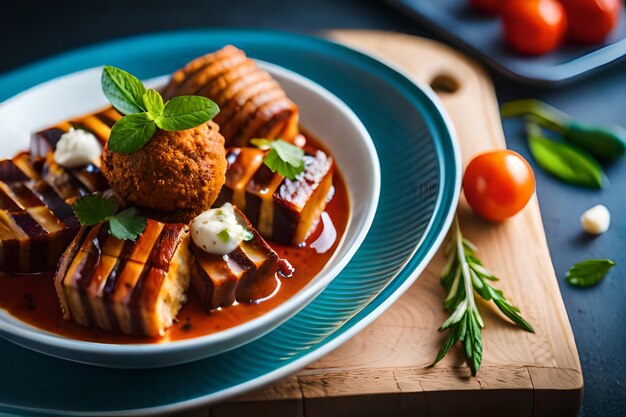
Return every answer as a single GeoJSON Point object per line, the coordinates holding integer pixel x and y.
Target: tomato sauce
{"type": "Point", "coordinates": [32, 298]}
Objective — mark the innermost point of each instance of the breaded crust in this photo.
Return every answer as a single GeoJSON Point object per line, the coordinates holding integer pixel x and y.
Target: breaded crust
{"type": "Point", "coordinates": [222, 82]}
{"type": "Point", "coordinates": [245, 114]}
{"type": "Point", "coordinates": [236, 95]}
{"type": "Point", "coordinates": [238, 100]}
{"type": "Point", "coordinates": [206, 74]}
{"type": "Point", "coordinates": [243, 91]}
{"type": "Point", "coordinates": [177, 173]}
{"type": "Point", "coordinates": [179, 76]}
{"type": "Point", "coordinates": [280, 124]}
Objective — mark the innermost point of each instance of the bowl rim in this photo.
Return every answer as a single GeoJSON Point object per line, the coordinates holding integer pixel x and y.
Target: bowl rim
{"type": "Point", "coordinates": [277, 315]}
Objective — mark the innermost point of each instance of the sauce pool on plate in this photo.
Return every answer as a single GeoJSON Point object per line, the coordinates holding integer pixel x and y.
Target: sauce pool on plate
{"type": "Point", "coordinates": [32, 298]}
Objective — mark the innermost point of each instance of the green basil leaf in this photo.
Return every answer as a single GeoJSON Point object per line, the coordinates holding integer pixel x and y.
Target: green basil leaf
{"type": "Point", "coordinates": [566, 162]}
{"type": "Point", "coordinates": [186, 112]}
{"type": "Point", "coordinates": [127, 225]}
{"type": "Point", "coordinates": [589, 272]}
{"type": "Point", "coordinates": [93, 209]}
{"type": "Point", "coordinates": [154, 103]}
{"type": "Point", "coordinates": [131, 133]}
{"type": "Point", "coordinates": [123, 90]}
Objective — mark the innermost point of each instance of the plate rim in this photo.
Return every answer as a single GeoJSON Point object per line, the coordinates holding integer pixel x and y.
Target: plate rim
{"type": "Point", "coordinates": [443, 216]}
{"type": "Point", "coordinates": [278, 315]}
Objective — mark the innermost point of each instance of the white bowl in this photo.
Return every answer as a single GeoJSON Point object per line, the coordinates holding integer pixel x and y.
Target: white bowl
{"type": "Point", "coordinates": [322, 114]}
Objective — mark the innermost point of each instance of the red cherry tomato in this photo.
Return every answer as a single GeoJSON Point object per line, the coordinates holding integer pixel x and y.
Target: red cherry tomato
{"type": "Point", "coordinates": [498, 184]}
{"type": "Point", "coordinates": [590, 21]}
{"type": "Point", "coordinates": [533, 27]}
{"type": "Point", "coordinates": [487, 6]}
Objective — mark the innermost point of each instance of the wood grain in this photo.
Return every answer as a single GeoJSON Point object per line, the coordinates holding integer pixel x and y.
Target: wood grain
{"type": "Point", "coordinates": [384, 369]}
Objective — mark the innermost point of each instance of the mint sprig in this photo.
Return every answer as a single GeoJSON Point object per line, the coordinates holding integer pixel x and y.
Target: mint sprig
{"type": "Point", "coordinates": [94, 209]}
{"type": "Point", "coordinates": [123, 90]}
{"type": "Point", "coordinates": [145, 110]}
{"type": "Point", "coordinates": [283, 157]}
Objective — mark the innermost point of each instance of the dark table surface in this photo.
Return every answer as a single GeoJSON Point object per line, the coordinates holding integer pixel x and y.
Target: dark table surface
{"type": "Point", "coordinates": [31, 30]}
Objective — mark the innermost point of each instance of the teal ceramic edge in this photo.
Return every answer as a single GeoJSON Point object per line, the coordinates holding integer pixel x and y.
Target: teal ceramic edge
{"type": "Point", "coordinates": [421, 184]}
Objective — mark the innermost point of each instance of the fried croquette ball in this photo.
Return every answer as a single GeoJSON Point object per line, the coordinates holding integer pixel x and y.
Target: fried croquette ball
{"type": "Point", "coordinates": [178, 174]}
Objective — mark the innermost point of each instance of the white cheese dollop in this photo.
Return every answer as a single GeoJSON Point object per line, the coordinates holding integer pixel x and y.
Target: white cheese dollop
{"type": "Point", "coordinates": [217, 231]}
{"type": "Point", "coordinates": [76, 148]}
{"type": "Point", "coordinates": [596, 220]}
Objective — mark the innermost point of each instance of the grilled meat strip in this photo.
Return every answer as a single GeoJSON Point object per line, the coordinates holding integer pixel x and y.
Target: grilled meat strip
{"type": "Point", "coordinates": [36, 223]}
{"type": "Point", "coordinates": [36, 220]}
{"type": "Point", "coordinates": [135, 288]}
{"type": "Point", "coordinates": [282, 210]}
{"type": "Point", "coordinates": [247, 274]}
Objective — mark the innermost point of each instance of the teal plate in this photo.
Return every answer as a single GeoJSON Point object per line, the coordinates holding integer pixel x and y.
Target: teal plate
{"type": "Point", "coordinates": [420, 168]}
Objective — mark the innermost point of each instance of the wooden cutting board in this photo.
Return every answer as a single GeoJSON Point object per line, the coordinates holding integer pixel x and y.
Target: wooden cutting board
{"type": "Point", "coordinates": [383, 370]}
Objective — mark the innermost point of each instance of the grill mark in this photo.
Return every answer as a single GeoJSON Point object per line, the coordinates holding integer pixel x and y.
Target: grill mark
{"type": "Point", "coordinates": [25, 196]}
{"type": "Point", "coordinates": [36, 246]}
{"type": "Point", "coordinates": [9, 172]}
{"type": "Point", "coordinates": [45, 141]}
{"type": "Point", "coordinates": [6, 202]}
{"type": "Point", "coordinates": [64, 264]}
{"type": "Point", "coordinates": [90, 177]}
{"type": "Point", "coordinates": [62, 179]}
{"type": "Point", "coordinates": [168, 241]}
{"type": "Point", "coordinates": [105, 119]}
{"type": "Point", "coordinates": [109, 286]}
{"type": "Point", "coordinates": [160, 257]}
{"type": "Point", "coordinates": [83, 126]}
{"type": "Point", "coordinates": [55, 203]}
{"type": "Point", "coordinates": [87, 269]}
{"type": "Point", "coordinates": [27, 224]}
{"type": "Point", "coordinates": [135, 312]}
{"type": "Point", "coordinates": [203, 284]}
{"type": "Point", "coordinates": [242, 260]}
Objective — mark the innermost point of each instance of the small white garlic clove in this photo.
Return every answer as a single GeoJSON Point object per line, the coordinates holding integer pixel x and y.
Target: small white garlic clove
{"type": "Point", "coordinates": [596, 220]}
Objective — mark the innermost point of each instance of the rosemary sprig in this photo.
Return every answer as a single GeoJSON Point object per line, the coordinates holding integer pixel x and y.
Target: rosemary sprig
{"type": "Point", "coordinates": [464, 276]}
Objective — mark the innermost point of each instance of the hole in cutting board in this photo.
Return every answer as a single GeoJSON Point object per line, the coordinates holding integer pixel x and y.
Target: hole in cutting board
{"type": "Point", "coordinates": [444, 83]}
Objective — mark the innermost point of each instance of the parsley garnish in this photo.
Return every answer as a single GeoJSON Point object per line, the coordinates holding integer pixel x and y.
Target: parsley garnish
{"type": "Point", "coordinates": [145, 111]}
{"type": "Point", "coordinates": [462, 278]}
{"type": "Point", "coordinates": [283, 157]}
{"type": "Point", "coordinates": [589, 272]}
{"type": "Point", "coordinates": [93, 209]}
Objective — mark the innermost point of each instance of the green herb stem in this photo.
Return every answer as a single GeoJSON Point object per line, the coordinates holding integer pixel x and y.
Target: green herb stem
{"type": "Point", "coordinates": [464, 277]}
{"type": "Point", "coordinates": [546, 115]}
{"type": "Point", "coordinates": [604, 142]}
